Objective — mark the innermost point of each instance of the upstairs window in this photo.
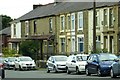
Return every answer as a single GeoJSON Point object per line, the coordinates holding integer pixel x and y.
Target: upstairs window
{"type": "Point", "coordinates": [105, 17]}
{"type": "Point", "coordinates": [14, 29]}
{"type": "Point", "coordinates": [68, 23]}
{"type": "Point", "coordinates": [50, 25]}
{"type": "Point", "coordinates": [62, 23]}
{"type": "Point", "coordinates": [111, 17]}
{"type": "Point", "coordinates": [26, 27]}
{"type": "Point", "coordinates": [73, 21]}
{"type": "Point", "coordinates": [35, 28]}
{"type": "Point", "coordinates": [97, 18]}
{"type": "Point", "coordinates": [80, 20]}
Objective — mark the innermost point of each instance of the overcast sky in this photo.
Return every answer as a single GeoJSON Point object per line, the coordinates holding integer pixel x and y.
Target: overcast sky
{"type": "Point", "coordinates": [17, 8]}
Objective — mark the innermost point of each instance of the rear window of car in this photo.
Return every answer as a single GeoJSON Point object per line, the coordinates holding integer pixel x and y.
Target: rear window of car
{"type": "Point", "coordinates": [25, 59]}
{"type": "Point", "coordinates": [106, 57]}
{"type": "Point", "coordinates": [82, 58]}
{"type": "Point", "coordinates": [60, 58]}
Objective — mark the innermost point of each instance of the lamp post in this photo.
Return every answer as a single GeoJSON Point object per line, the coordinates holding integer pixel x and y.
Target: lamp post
{"type": "Point", "coordinates": [94, 27]}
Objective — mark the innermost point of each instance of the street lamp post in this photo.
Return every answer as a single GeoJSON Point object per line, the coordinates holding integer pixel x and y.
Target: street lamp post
{"type": "Point", "coordinates": [94, 26]}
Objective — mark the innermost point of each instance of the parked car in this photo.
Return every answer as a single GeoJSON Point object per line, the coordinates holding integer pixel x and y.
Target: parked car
{"type": "Point", "coordinates": [2, 71]}
{"type": "Point", "coordinates": [56, 63]}
{"type": "Point", "coordinates": [9, 62]}
{"type": "Point", "coordinates": [100, 64]}
{"type": "Point", "coordinates": [24, 63]}
{"type": "Point", "coordinates": [76, 63]}
{"type": "Point", "coordinates": [115, 69]}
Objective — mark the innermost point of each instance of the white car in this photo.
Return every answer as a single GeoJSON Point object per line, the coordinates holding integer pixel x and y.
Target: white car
{"type": "Point", "coordinates": [56, 63]}
{"type": "Point", "coordinates": [24, 63]}
{"type": "Point", "coordinates": [76, 63]}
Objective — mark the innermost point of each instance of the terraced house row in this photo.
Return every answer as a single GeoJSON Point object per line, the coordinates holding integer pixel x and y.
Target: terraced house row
{"type": "Point", "coordinates": [67, 27]}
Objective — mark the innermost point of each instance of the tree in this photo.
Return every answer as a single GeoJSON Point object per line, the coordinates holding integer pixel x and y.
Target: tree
{"type": "Point", "coordinates": [29, 48]}
{"type": "Point", "coordinates": [6, 21]}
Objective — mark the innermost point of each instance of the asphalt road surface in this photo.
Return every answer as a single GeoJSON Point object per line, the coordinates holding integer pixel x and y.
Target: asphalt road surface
{"type": "Point", "coordinates": [43, 75]}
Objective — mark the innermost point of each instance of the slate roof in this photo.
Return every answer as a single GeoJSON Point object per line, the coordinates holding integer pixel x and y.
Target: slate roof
{"type": "Point", "coordinates": [6, 31]}
{"type": "Point", "coordinates": [61, 7]}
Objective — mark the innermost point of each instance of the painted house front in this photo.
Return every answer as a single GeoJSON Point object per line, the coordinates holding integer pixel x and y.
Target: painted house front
{"type": "Point", "coordinates": [107, 29]}
{"type": "Point", "coordinates": [15, 35]}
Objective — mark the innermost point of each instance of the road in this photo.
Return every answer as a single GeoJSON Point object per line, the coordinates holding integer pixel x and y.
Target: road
{"type": "Point", "coordinates": [41, 74]}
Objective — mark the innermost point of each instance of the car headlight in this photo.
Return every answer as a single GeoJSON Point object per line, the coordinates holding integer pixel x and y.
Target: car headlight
{"type": "Point", "coordinates": [58, 65]}
{"type": "Point", "coordinates": [23, 64]}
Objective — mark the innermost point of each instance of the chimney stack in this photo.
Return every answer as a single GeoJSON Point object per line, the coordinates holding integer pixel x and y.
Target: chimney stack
{"type": "Point", "coordinates": [37, 5]}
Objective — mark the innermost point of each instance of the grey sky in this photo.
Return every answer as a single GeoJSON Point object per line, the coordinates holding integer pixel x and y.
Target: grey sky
{"type": "Point", "coordinates": [17, 8]}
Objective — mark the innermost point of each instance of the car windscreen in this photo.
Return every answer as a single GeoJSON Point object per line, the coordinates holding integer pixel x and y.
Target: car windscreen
{"type": "Point", "coordinates": [25, 59]}
{"type": "Point", "coordinates": [108, 57]}
{"type": "Point", "coordinates": [11, 59]}
{"type": "Point", "coordinates": [60, 58]}
{"type": "Point", "coordinates": [81, 58]}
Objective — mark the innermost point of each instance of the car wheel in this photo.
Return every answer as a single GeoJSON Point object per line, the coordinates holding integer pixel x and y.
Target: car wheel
{"type": "Point", "coordinates": [112, 74]}
{"type": "Point", "coordinates": [55, 70]}
{"type": "Point", "coordinates": [68, 72]}
{"type": "Point", "coordinates": [87, 72]}
{"type": "Point", "coordinates": [99, 72]}
{"type": "Point", "coordinates": [3, 74]}
{"type": "Point", "coordinates": [48, 71]}
{"type": "Point", "coordinates": [15, 68]}
{"type": "Point", "coordinates": [77, 70]}
{"type": "Point", "coordinates": [20, 68]}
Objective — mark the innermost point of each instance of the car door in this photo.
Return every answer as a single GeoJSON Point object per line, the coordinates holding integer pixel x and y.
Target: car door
{"type": "Point", "coordinates": [93, 64]}
{"type": "Point", "coordinates": [49, 63]}
{"type": "Point", "coordinates": [68, 63]}
{"type": "Point", "coordinates": [17, 62]}
{"type": "Point", "coordinates": [73, 63]}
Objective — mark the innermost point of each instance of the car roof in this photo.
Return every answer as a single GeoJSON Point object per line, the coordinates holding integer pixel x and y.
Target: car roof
{"type": "Point", "coordinates": [59, 56]}
{"type": "Point", "coordinates": [101, 54]}
{"type": "Point", "coordinates": [24, 57]}
{"type": "Point", "coordinates": [82, 55]}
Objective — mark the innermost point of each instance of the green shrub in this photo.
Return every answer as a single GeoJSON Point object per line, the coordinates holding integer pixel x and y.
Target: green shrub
{"type": "Point", "coordinates": [8, 53]}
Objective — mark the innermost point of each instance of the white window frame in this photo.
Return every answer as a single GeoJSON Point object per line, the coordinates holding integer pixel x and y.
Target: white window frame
{"type": "Point", "coordinates": [50, 24]}
{"type": "Point", "coordinates": [73, 18]}
{"type": "Point", "coordinates": [106, 16]}
{"type": "Point", "coordinates": [68, 24]}
{"type": "Point", "coordinates": [14, 30]}
{"type": "Point", "coordinates": [62, 30]}
{"type": "Point", "coordinates": [26, 27]}
{"type": "Point", "coordinates": [112, 17]}
{"type": "Point", "coordinates": [82, 37]}
{"type": "Point", "coordinates": [80, 17]}
{"type": "Point", "coordinates": [98, 20]}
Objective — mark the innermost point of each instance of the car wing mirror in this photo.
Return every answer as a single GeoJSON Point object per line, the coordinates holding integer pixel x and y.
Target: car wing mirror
{"type": "Point", "coordinates": [95, 61]}
{"type": "Point", "coordinates": [116, 60]}
{"type": "Point", "coordinates": [73, 61]}
{"type": "Point", "coordinates": [53, 61]}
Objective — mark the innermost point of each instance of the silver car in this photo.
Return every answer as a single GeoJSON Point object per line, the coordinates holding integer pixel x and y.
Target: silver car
{"type": "Point", "coordinates": [56, 63]}
{"type": "Point", "coordinates": [115, 69]}
{"type": "Point", "coordinates": [9, 62]}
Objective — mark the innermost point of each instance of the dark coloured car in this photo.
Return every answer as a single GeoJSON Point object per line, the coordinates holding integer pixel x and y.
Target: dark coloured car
{"type": "Point", "coordinates": [2, 71]}
{"type": "Point", "coordinates": [100, 64]}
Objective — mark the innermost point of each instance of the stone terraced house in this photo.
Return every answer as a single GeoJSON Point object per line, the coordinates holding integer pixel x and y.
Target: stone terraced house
{"type": "Point", "coordinates": [67, 27]}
